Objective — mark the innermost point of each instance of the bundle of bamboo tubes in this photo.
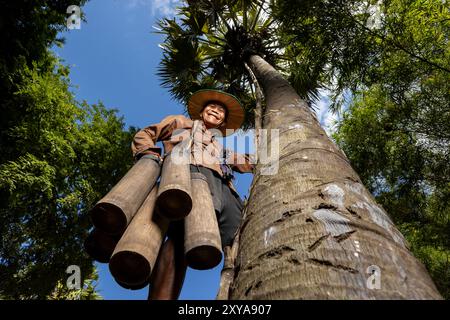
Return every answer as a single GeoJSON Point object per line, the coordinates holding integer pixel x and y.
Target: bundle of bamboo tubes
{"type": "Point", "coordinates": [131, 221]}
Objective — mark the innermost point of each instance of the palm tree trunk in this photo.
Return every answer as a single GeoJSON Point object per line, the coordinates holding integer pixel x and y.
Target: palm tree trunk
{"type": "Point", "coordinates": [312, 231]}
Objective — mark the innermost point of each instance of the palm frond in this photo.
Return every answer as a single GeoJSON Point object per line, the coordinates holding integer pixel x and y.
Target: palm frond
{"type": "Point", "coordinates": [209, 43]}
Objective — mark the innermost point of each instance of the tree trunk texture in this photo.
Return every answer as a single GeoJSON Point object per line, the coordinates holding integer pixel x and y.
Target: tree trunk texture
{"type": "Point", "coordinates": [313, 231]}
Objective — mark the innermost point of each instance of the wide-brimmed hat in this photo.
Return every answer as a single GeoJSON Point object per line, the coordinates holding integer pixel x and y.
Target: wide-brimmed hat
{"type": "Point", "coordinates": [235, 116]}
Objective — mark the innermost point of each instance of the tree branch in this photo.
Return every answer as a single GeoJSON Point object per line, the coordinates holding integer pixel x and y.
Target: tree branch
{"type": "Point", "coordinates": [400, 47]}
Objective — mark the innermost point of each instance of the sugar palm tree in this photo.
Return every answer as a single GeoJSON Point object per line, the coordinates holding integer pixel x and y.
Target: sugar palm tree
{"type": "Point", "coordinates": [312, 230]}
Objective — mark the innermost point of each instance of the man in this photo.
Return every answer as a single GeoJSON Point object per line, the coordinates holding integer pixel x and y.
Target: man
{"type": "Point", "coordinates": [216, 110]}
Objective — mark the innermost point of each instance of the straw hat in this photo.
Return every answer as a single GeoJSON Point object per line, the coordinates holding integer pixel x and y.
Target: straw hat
{"type": "Point", "coordinates": [199, 99]}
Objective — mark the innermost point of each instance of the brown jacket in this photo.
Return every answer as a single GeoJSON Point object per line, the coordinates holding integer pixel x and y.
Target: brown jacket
{"type": "Point", "coordinates": [207, 151]}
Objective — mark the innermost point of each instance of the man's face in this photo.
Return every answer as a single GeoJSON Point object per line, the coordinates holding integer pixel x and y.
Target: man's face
{"type": "Point", "coordinates": [213, 115]}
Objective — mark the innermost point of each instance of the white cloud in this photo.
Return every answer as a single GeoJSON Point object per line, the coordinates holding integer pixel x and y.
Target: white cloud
{"type": "Point", "coordinates": [165, 7]}
{"type": "Point", "coordinates": [326, 118]}
{"type": "Point", "coordinates": [160, 8]}
{"type": "Point", "coordinates": [131, 4]}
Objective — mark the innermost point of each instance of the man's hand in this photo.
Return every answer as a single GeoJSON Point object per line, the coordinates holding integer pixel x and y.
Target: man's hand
{"type": "Point", "coordinates": [153, 156]}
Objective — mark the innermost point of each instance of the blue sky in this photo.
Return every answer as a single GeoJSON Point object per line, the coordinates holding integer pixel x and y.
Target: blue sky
{"type": "Point", "coordinates": [113, 59]}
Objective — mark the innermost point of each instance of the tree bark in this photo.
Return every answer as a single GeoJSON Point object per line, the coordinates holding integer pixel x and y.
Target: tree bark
{"type": "Point", "coordinates": [313, 231]}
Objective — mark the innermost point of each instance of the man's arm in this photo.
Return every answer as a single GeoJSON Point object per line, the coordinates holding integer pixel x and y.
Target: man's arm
{"type": "Point", "coordinates": [144, 141]}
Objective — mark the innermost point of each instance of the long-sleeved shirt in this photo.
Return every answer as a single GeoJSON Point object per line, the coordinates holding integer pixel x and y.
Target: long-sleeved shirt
{"type": "Point", "coordinates": [206, 151]}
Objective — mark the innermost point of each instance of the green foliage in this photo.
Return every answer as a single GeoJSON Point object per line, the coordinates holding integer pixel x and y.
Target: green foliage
{"type": "Point", "coordinates": [328, 44]}
{"type": "Point", "coordinates": [343, 44]}
{"type": "Point", "coordinates": [396, 131]}
{"type": "Point", "coordinates": [28, 28]}
{"type": "Point", "coordinates": [405, 164]}
{"type": "Point", "coordinates": [87, 292]}
{"type": "Point", "coordinates": [58, 158]}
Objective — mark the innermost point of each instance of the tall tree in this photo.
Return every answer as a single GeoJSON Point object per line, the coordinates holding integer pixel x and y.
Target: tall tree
{"type": "Point", "coordinates": [28, 29]}
{"type": "Point", "coordinates": [344, 43]}
{"type": "Point", "coordinates": [396, 130]}
{"type": "Point", "coordinates": [63, 157]}
{"type": "Point", "coordinates": [312, 230]}
{"type": "Point", "coordinates": [58, 156]}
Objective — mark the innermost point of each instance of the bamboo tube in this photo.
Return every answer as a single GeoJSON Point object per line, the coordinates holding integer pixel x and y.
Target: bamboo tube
{"type": "Point", "coordinates": [114, 212]}
{"type": "Point", "coordinates": [100, 245]}
{"type": "Point", "coordinates": [202, 245]}
{"type": "Point", "coordinates": [134, 256]}
{"type": "Point", "coordinates": [174, 196]}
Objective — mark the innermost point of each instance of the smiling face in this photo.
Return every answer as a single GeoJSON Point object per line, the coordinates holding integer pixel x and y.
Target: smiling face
{"type": "Point", "coordinates": [213, 115]}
